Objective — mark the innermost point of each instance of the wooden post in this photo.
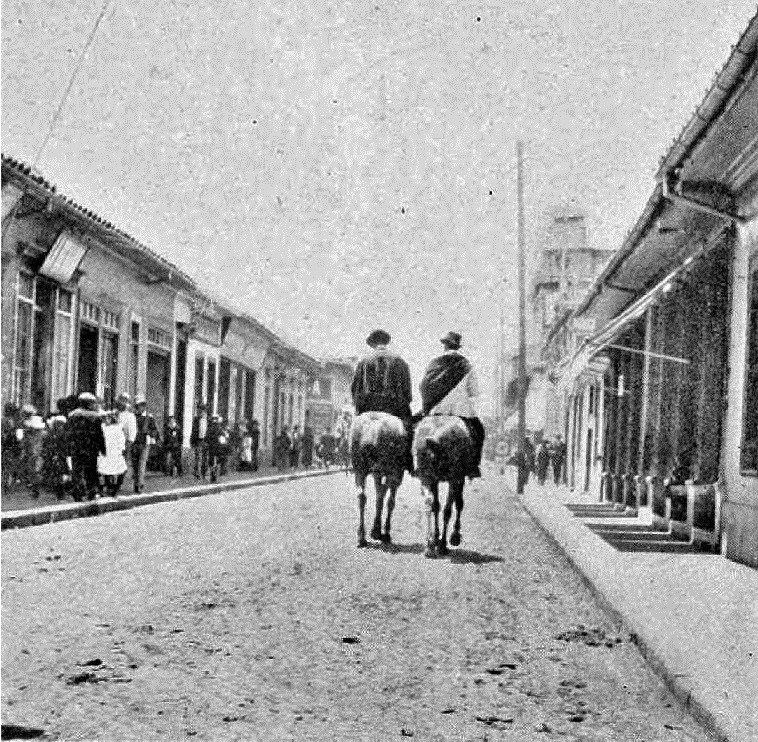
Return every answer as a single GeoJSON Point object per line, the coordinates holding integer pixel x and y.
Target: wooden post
{"type": "Point", "coordinates": [522, 316]}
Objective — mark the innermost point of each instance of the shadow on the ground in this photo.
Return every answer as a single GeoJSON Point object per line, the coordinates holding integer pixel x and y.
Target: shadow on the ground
{"type": "Point", "coordinates": [396, 548]}
{"type": "Point", "coordinates": [466, 556]}
{"type": "Point", "coordinates": [15, 731]}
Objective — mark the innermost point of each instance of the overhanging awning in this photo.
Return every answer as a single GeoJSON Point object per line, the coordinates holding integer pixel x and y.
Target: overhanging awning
{"type": "Point", "coordinates": [604, 337]}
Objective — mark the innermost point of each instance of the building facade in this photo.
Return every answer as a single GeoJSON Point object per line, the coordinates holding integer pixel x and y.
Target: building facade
{"type": "Point", "coordinates": [86, 307]}
{"type": "Point", "coordinates": [662, 396]}
{"type": "Point", "coordinates": [329, 393]}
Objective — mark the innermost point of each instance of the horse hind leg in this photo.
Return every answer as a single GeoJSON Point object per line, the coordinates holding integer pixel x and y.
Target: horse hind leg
{"type": "Point", "coordinates": [432, 508]}
{"type": "Point", "coordinates": [360, 481]}
{"type": "Point", "coordinates": [457, 489]}
{"type": "Point", "coordinates": [381, 489]}
{"type": "Point", "coordinates": [446, 513]}
{"type": "Point", "coordinates": [392, 490]}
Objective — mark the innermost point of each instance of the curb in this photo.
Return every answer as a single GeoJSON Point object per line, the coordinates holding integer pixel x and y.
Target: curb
{"type": "Point", "coordinates": [678, 687]}
{"type": "Point", "coordinates": [72, 510]}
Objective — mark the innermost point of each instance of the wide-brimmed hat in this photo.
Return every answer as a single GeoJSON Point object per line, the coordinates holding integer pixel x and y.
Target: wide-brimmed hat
{"type": "Point", "coordinates": [452, 340]}
{"type": "Point", "coordinates": [202, 406]}
{"type": "Point", "coordinates": [28, 409]}
{"type": "Point", "coordinates": [87, 397]}
{"type": "Point", "coordinates": [139, 400]}
{"type": "Point", "coordinates": [378, 337]}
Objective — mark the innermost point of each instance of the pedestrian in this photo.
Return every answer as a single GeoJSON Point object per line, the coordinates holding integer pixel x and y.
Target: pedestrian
{"type": "Point", "coordinates": [450, 387]}
{"type": "Point", "coordinates": [295, 444]}
{"type": "Point", "coordinates": [542, 461]}
{"type": "Point", "coordinates": [217, 440]}
{"type": "Point", "coordinates": [557, 457]}
{"type": "Point", "coordinates": [111, 465]}
{"type": "Point", "coordinates": [147, 437]}
{"type": "Point", "coordinates": [525, 462]}
{"type": "Point", "coordinates": [128, 422]}
{"type": "Point", "coordinates": [382, 382]}
{"type": "Point", "coordinates": [255, 436]}
{"type": "Point", "coordinates": [35, 430]}
{"type": "Point", "coordinates": [282, 446]}
{"type": "Point", "coordinates": [172, 448]}
{"type": "Point", "coordinates": [246, 447]}
{"type": "Point", "coordinates": [307, 443]}
{"type": "Point", "coordinates": [199, 441]}
{"type": "Point", "coordinates": [57, 472]}
{"type": "Point", "coordinates": [13, 436]}
{"type": "Point", "coordinates": [84, 434]}
{"type": "Point", "coordinates": [327, 448]}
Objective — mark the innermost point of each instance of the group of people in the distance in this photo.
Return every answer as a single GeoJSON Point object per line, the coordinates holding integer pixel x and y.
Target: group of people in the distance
{"type": "Point", "coordinates": [218, 447]}
{"type": "Point", "coordinates": [382, 383]}
{"type": "Point", "coordinates": [538, 459]}
{"type": "Point", "coordinates": [84, 450]}
{"type": "Point", "coordinates": [294, 448]}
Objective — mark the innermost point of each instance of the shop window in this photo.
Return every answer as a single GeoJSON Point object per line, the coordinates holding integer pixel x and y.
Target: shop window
{"type": "Point", "coordinates": [749, 450]}
{"type": "Point", "coordinates": [64, 325]}
{"type": "Point", "coordinates": [22, 362]}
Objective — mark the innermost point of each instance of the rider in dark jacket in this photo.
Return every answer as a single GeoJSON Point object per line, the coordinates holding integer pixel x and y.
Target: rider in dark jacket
{"type": "Point", "coordinates": [382, 383]}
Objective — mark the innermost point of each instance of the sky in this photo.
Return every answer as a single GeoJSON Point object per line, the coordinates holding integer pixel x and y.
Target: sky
{"type": "Point", "coordinates": [334, 167]}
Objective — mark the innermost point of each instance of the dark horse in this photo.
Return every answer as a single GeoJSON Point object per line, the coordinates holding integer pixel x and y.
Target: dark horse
{"type": "Point", "coordinates": [378, 442]}
{"type": "Point", "coordinates": [442, 446]}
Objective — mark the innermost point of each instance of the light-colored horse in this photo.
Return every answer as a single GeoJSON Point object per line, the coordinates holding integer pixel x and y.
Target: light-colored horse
{"type": "Point", "coordinates": [377, 446]}
{"type": "Point", "coordinates": [442, 447]}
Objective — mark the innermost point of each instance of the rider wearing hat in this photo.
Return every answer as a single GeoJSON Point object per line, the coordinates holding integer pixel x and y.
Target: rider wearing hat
{"type": "Point", "coordinates": [450, 387]}
{"type": "Point", "coordinates": [382, 383]}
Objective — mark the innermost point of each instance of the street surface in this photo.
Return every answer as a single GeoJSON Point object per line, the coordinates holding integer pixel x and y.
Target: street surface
{"type": "Point", "coordinates": [251, 615]}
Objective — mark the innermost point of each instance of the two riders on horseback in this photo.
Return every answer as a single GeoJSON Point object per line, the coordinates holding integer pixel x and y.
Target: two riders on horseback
{"type": "Point", "coordinates": [382, 436]}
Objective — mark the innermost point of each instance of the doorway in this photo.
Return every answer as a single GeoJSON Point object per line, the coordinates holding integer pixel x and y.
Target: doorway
{"type": "Point", "coordinates": [86, 378]}
{"type": "Point", "coordinates": [156, 388]}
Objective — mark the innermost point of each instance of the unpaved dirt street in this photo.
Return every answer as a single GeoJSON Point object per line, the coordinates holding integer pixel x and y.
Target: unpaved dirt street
{"type": "Point", "coordinates": [253, 616]}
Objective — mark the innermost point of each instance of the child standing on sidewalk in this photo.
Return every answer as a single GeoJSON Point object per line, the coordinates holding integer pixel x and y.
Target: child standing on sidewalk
{"type": "Point", "coordinates": [112, 466]}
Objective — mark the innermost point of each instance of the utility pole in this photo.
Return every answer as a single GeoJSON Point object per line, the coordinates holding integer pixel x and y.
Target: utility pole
{"type": "Point", "coordinates": [522, 317]}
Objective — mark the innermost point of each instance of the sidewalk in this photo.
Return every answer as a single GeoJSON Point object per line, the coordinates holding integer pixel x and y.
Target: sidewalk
{"type": "Point", "coordinates": [20, 509]}
{"type": "Point", "coordinates": [694, 615]}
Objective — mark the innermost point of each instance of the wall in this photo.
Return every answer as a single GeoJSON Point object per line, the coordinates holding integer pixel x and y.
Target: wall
{"type": "Point", "coordinates": [739, 539]}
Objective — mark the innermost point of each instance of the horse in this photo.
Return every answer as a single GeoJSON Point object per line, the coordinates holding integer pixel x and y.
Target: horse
{"type": "Point", "coordinates": [377, 446]}
{"type": "Point", "coordinates": [442, 447]}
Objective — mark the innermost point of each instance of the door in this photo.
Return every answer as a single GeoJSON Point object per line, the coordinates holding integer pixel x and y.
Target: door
{"type": "Point", "coordinates": [181, 376]}
{"type": "Point", "coordinates": [249, 395]}
{"type": "Point", "coordinates": [109, 368]}
{"type": "Point", "coordinates": [156, 388]}
{"type": "Point", "coordinates": [86, 378]}
{"type": "Point", "coordinates": [224, 387]}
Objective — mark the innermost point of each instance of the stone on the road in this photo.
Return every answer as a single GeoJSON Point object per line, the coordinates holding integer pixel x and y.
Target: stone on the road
{"type": "Point", "coordinates": [251, 615]}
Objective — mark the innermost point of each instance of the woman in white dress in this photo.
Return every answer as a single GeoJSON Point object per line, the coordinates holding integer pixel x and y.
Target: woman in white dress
{"type": "Point", "coordinates": [112, 466]}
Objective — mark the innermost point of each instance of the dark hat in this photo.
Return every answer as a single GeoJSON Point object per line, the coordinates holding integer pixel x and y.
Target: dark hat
{"type": "Point", "coordinates": [202, 406]}
{"type": "Point", "coordinates": [378, 337]}
{"type": "Point", "coordinates": [452, 340]}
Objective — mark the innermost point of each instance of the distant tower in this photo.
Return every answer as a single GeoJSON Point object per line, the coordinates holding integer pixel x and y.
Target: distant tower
{"type": "Point", "coordinates": [567, 267]}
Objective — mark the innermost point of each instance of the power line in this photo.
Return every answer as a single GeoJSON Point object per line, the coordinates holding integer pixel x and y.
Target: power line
{"type": "Point", "coordinates": [71, 81]}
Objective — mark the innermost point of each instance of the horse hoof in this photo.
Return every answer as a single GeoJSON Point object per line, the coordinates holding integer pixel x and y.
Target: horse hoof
{"type": "Point", "coordinates": [455, 539]}
{"type": "Point", "coordinates": [442, 549]}
{"type": "Point", "coordinates": [362, 543]}
{"type": "Point", "coordinates": [430, 552]}
{"type": "Point", "coordinates": [376, 534]}
{"type": "Point", "coordinates": [387, 539]}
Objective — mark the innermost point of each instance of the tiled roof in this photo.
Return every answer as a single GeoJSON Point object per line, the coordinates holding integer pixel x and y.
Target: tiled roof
{"type": "Point", "coordinates": [29, 174]}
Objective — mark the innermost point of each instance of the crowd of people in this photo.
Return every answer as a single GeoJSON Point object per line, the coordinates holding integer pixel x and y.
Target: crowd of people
{"type": "Point", "coordinates": [305, 448]}
{"type": "Point", "coordinates": [83, 450]}
{"type": "Point", "coordinates": [538, 459]}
